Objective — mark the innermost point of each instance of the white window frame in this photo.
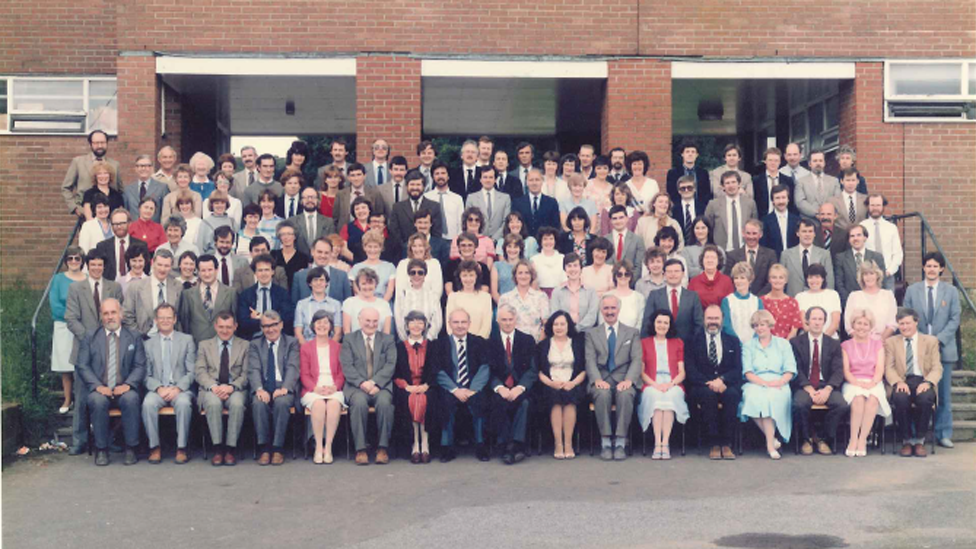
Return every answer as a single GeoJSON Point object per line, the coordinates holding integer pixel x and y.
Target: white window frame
{"type": "Point", "coordinates": [86, 83]}
{"type": "Point", "coordinates": [963, 95]}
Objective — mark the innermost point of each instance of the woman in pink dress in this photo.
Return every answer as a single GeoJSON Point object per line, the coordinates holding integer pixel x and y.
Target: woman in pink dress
{"type": "Point", "coordinates": [864, 366]}
{"type": "Point", "coordinates": [784, 308]}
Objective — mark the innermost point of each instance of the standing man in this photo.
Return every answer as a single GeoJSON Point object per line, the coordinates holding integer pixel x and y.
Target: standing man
{"type": "Point", "coordinates": [264, 182]}
{"type": "Point", "coordinates": [402, 219]}
{"type": "Point", "coordinates": [537, 209]}
{"type": "Point", "coordinates": [732, 155]}
{"type": "Point", "coordinates": [846, 157]}
{"type": "Point", "coordinates": [427, 154]}
{"type": "Point", "coordinates": [780, 224]}
{"type": "Point", "coordinates": [289, 204]}
{"type": "Point", "coordinates": [338, 152]}
{"type": "Point", "coordinates": [465, 371]}
{"type": "Point", "coordinates": [495, 205]}
{"type": "Point", "coordinates": [262, 297]}
{"type": "Point", "coordinates": [689, 156]}
{"type": "Point", "coordinates": [688, 208]}
{"type": "Point", "coordinates": [144, 296]}
{"type": "Point", "coordinates": [79, 177]}
{"type": "Point", "coordinates": [512, 378]}
{"type": "Point", "coordinates": [310, 225]}
{"type": "Point", "coordinates": [798, 258]}
{"type": "Point", "coordinates": [451, 204]}
{"type": "Point", "coordinates": [525, 152]}
{"type": "Point", "coordinates": [884, 237]}
{"type": "Point", "coordinates": [848, 262]}
{"type": "Point", "coordinates": [221, 374]}
{"type": "Point", "coordinates": [378, 171]}
{"type": "Point", "coordinates": [586, 156]}
{"type": "Point", "coordinates": [793, 156]}
{"type": "Point", "coordinates": [144, 186]}
{"type": "Point", "coordinates": [830, 236]}
{"type": "Point", "coordinates": [760, 258]}
{"type": "Point", "coordinates": [339, 287]}
{"type": "Point", "coordinates": [618, 174]}
{"type": "Point", "coordinates": [272, 375]}
{"type": "Point", "coordinates": [684, 304]}
{"type": "Point", "coordinates": [912, 372]}
{"type": "Point", "coordinates": [228, 262]}
{"type": "Point", "coordinates": [729, 212]}
{"type": "Point", "coordinates": [170, 369]}
{"type": "Point", "coordinates": [763, 183]}
{"type": "Point", "coordinates": [816, 188]}
{"type": "Point", "coordinates": [486, 149]}
{"type": "Point", "coordinates": [167, 166]}
{"type": "Point", "coordinates": [394, 190]}
{"type": "Point", "coordinates": [249, 175]}
{"type": "Point", "coordinates": [849, 203]}
{"type": "Point", "coordinates": [626, 245]}
{"type": "Point", "coordinates": [468, 174]}
{"type": "Point", "coordinates": [201, 305]}
{"type": "Point", "coordinates": [819, 376]}
{"type": "Point", "coordinates": [342, 210]}
{"type": "Point", "coordinates": [114, 248]}
{"type": "Point", "coordinates": [939, 311]}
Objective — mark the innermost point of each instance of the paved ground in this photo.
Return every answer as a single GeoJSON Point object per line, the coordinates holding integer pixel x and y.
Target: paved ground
{"type": "Point", "coordinates": [689, 502]}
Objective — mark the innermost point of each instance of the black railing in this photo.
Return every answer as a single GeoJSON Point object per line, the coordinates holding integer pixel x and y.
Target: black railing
{"type": "Point", "coordinates": [40, 303]}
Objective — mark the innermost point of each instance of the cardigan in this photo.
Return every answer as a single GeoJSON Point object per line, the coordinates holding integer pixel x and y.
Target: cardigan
{"type": "Point", "coordinates": [676, 354]}
{"type": "Point", "coordinates": [309, 366]}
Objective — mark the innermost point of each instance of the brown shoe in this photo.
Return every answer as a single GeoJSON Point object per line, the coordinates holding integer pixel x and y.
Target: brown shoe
{"type": "Point", "coordinates": [382, 457]}
{"type": "Point", "coordinates": [229, 458]}
{"type": "Point", "coordinates": [362, 458]}
{"type": "Point", "coordinates": [181, 457]}
{"type": "Point", "coordinates": [415, 458]}
{"type": "Point", "coordinates": [425, 457]}
{"type": "Point", "coordinates": [806, 448]}
{"type": "Point", "coordinates": [727, 453]}
{"type": "Point", "coordinates": [265, 458]}
{"type": "Point", "coordinates": [824, 449]}
{"type": "Point", "coordinates": [156, 456]}
{"type": "Point", "coordinates": [920, 451]}
{"type": "Point", "coordinates": [906, 451]}
{"type": "Point", "coordinates": [716, 453]}
{"type": "Point", "coordinates": [277, 458]}
{"type": "Point", "coordinates": [218, 459]}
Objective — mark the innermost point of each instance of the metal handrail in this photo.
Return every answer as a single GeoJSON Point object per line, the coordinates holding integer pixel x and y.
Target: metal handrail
{"type": "Point", "coordinates": [40, 303]}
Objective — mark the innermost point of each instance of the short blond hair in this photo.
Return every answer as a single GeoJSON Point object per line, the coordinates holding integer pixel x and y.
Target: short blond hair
{"type": "Point", "coordinates": [869, 267]}
{"type": "Point", "coordinates": [762, 316]}
{"type": "Point", "coordinates": [743, 269]}
{"type": "Point", "coordinates": [373, 236]}
{"type": "Point", "coordinates": [862, 313]}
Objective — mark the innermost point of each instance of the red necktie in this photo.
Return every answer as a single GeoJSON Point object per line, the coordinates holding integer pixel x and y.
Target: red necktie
{"type": "Point", "coordinates": [510, 381]}
{"type": "Point", "coordinates": [122, 257]}
{"type": "Point", "coordinates": [815, 365]}
{"type": "Point", "coordinates": [674, 303]}
{"type": "Point", "coordinates": [224, 275]}
{"type": "Point", "coordinates": [620, 247]}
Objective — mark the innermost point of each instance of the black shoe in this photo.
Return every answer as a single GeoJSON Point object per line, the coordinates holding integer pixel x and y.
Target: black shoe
{"type": "Point", "coordinates": [448, 454]}
{"type": "Point", "coordinates": [482, 452]}
{"type": "Point", "coordinates": [508, 456]}
{"type": "Point", "coordinates": [130, 457]}
{"type": "Point", "coordinates": [78, 450]}
{"type": "Point", "coordinates": [519, 454]}
{"type": "Point", "coordinates": [101, 458]}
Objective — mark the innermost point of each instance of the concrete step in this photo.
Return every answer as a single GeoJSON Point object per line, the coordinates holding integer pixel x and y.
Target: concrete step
{"type": "Point", "coordinates": [963, 431]}
{"type": "Point", "coordinates": [963, 412]}
{"type": "Point", "coordinates": [963, 395]}
{"type": "Point", "coordinates": [964, 378]}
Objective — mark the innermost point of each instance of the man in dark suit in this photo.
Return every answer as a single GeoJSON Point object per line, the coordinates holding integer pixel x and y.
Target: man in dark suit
{"type": "Point", "coordinates": [512, 378]}
{"type": "Point", "coordinates": [262, 297]}
{"type": "Point", "coordinates": [830, 236]}
{"type": "Point", "coordinates": [272, 373]}
{"type": "Point", "coordinates": [537, 209]}
{"type": "Point", "coordinates": [688, 316]}
{"type": "Point", "coordinates": [713, 363]}
{"type": "Point", "coordinates": [244, 275]}
{"type": "Point", "coordinates": [780, 225]}
{"type": "Point", "coordinates": [689, 206]}
{"type": "Point", "coordinates": [463, 378]}
{"type": "Point", "coordinates": [113, 249]}
{"type": "Point", "coordinates": [221, 374]}
{"type": "Point", "coordinates": [402, 219]}
{"type": "Point", "coordinates": [525, 152]}
{"type": "Point", "coordinates": [819, 376]}
{"type": "Point", "coordinates": [764, 182]}
{"type": "Point", "coordinates": [339, 287]}
{"type": "Point", "coordinates": [112, 365]}
{"type": "Point", "coordinates": [310, 225]}
{"type": "Point", "coordinates": [468, 174]}
{"type": "Point", "coordinates": [504, 181]}
{"type": "Point", "coordinates": [759, 257]}
{"type": "Point", "coordinates": [440, 248]}
{"type": "Point", "coordinates": [846, 263]}
{"type": "Point", "coordinates": [618, 174]}
{"type": "Point", "coordinates": [289, 204]}
{"type": "Point", "coordinates": [201, 304]}
{"type": "Point", "coordinates": [703, 188]}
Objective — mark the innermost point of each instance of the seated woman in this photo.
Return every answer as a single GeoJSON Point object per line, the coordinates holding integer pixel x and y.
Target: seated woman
{"type": "Point", "coordinates": [366, 280]}
{"type": "Point", "coordinates": [322, 383]}
{"type": "Point", "coordinates": [137, 258]}
{"type": "Point", "coordinates": [561, 357]}
{"type": "Point", "coordinates": [768, 365]}
{"type": "Point", "coordinates": [864, 390]}
{"type": "Point", "coordinates": [598, 275]}
{"type": "Point", "coordinates": [472, 297]}
{"type": "Point", "coordinates": [373, 247]}
{"type": "Point", "coordinates": [268, 224]}
{"type": "Point", "coordinates": [577, 238]}
{"type": "Point", "coordinates": [548, 263]}
{"type": "Point", "coordinates": [467, 244]}
{"type": "Point", "coordinates": [531, 305]}
{"type": "Point", "coordinates": [183, 175]}
{"type": "Point", "coordinates": [711, 285]}
{"type": "Point", "coordinates": [419, 248]}
{"type": "Point", "coordinates": [187, 269]}
{"type": "Point", "coordinates": [576, 199]}
{"type": "Point", "coordinates": [658, 218]}
{"type": "Point", "coordinates": [502, 275]}
{"type": "Point", "coordinates": [201, 164]}
{"type": "Point", "coordinates": [783, 307]}
{"type": "Point", "coordinates": [818, 296]}
{"type": "Point", "coordinates": [620, 196]}
{"type": "Point", "coordinates": [352, 233]}
{"type": "Point", "coordinates": [288, 256]}
{"type": "Point", "coordinates": [653, 278]}
{"type": "Point", "coordinates": [144, 228]}
{"type": "Point", "coordinates": [514, 224]}
{"type": "Point", "coordinates": [474, 223]}
{"type": "Point", "coordinates": [631, 302]}
{"type": "Point", "coordinates": [873, 297]}
{"type": "Point", "coordinates": [701, 236]}
{"type": "Point", "coordinates": [739, 306]}
{"type": "Point", "coordinates": [417, 297]}
{"type": "Point", "coordinates": [416, 372]}
{"type": "Point", "coordinates": [98, 228]}
{"type": "Point", "coordinates": [102, 184]}
{"type": "Point", "coordinates": [663, 396]}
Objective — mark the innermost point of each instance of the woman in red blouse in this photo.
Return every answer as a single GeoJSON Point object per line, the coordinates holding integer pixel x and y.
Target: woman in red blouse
{"type": "Point", "coordinates": [663, 396]}
{"type": "Point", "coordinates": [332, 182]}
{"type": "Point", "coordinates": [784, 308]}
{"type": "Point", "coordinates": [322, 382]}
{"type": "Point", "coordinates": [145, 229]}
{"type": "Point", "coordinates": [414, 377]}
{"type": "Point", "coordinates": [711, 285]}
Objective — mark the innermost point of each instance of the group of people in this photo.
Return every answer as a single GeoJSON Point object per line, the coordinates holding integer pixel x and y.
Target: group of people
{"type": "Point", "coordinates": [497, 290]}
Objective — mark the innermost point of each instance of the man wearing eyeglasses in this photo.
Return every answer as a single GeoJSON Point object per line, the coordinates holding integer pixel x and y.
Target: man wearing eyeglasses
{"type": "Point", "coordinates": [272, 373]}
{"type": "Point", "coordinates": [79, 179]}
{"type": "Point", "coordinates": [114, 248]}
{"type": "Point", "coordinates": [378, 170]}
{"type": "Point", "coordinates": [144, 186]}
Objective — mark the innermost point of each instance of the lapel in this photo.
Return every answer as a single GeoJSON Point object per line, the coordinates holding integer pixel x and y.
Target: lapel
{"type": "Point", "coordinates": [618, 346]}
{"type": "Point", "coordinates": [804, 344]}
{"type": "Point", "coordinates": [103, 350]}
{"type": "Point", "coordinates": [239, 348]}
{"type": "Point", "coordinates": [89, 297]}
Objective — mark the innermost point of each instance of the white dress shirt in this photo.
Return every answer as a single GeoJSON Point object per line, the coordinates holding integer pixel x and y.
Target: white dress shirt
{"type": "Point", "coordinates": [708, 340]}
{"type": "Point", "coordinates": [886, 233]}
{"type": "Point", "coordinates": [796, 173]}
{"type": "Point", "coordinates": [782, 219]}
{"type": "Point", "coordinates": [453, 210]}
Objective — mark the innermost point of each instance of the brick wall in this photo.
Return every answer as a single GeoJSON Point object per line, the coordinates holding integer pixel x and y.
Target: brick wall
{"type": "Point", "coordinates": [388, 105]}
{"type": "Point", "coordinates": [139, 108]}
{"type": "Point", "coordinates": [58, 36]}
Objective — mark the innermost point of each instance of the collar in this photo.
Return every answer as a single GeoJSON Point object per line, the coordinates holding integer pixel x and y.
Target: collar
{"type": "Point", "coordinates": [816, 338]}
{"type": "Point", "coordinates": [535, 196]}
{"type": "Point", "coordinates": [849, 195]}
{"type": "Point", "coordinates": [717, 336]}
{"type": "Point", "coordinates": [275, 342]}
{"type": "Point", "coordinates": [756, 249]}
{"type": "Point", "coordinates": [615, 326]}
{"type": "Point", "coordinates": [462, 340]}
{"type": "Point", "coordinates": [781, 214]}
{"type": "Point", "coordinates": [671, 288]}
{"type": "Point", "coordinates": [504, 335]}
{"type": "Point", "coordinates": [166, 337]}
{"type": "Point", "coordinates": [934, 285]}
{"type": "Point", "coordinates": [124, 239]}
{"type": "Point", "coordinates": [117, 332]}
{"type": "Point", "coordinates": [411, 340]}
{"type": "Point", "coordinates": [804, 249]}
{"type": "Point", "coordinates": [772, 175]}
{"type": "Point", "coordinates": [466, 168]}
{"type": "Point", "coordinates": [862, 251]}
{"type": "Point", "coordinates": [264, 287]}
{"type": "Point", "coordinates": [914, 340]}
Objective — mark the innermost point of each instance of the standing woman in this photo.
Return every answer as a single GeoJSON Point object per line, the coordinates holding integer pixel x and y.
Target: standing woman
{"type": "Point", "coordinates": [252, 215]}
{"type": "Point", "coordinates": [415, 375]}
{"type": "Point", "coordinates": [417, 296]}
{"type": "Point", "coordinates": [667, 239]}
{"type": "Point", "coordinates": [419, 248]}
{"type": "Point", "coordinates": [631, 302]}
{"type": "Point", "coordinates": [818, 296]}
{"type": "Point", "coordinates": [62, 339]}
{"type": "Point", "coordinates": [561, 357]}
{"type": "Point", "coordinates": [598, 275]}
{"type": "Point", "coordinates": [548, 263]}
{"type": "Point", "coordinates": [864, 367]}
{"type": "Point", "coordinates": [98, 228]}
{"type": "Point", "coordinates": [552, 184]}
{"type": "Point", "coordinates": [226, 166]}
{"type": "Point", "coordinates": [296, 156]}
{"type": "Point", "coordinates": [202, 165]}
{"type": "Point", "coordinates": [322, 383]}
{"type": "Point", "coordinates": [353, 232]}
{"type": "Point", "coordinates": [663, 396]}
{"type": "Point", "coordinates": [598, 189]}
{"type": "Point", "coordinates": [569, 164]}
{"type": "Point", "coordinates": [620, 195]}
{"type": "Point", "coordinates": [103, 183]}
{"type": "Point", "coordinates": [144, 228]}
{"type": "Point", "coordinates": [184, 208]}
{"type": "Point", "coordinates": [577, 237]}
{"type": "Point", "coordinates": [642, 187]}
{"type": "Point", "coordinates": [782, 307]}
{"type": "Point", "coordinates": [333, 182]}
{"type": "Point", "coordinates": [701, 236]}
{"type": "Point", "coordinates": [739, 306]}
{"type": "Point", "coordinates": [234, 208]}
{"type": "Point", "coordinates": [502, 271]}
{"type": "Point", "coordinates": [514, 224]}
{"type": "Point", "coordinates": [711, 285]}
{"type": "Point", "coordinates": [657, 218]}
{"type": "Point", "coordinates": [137, 258]}
{"type": "Point", "coordinates": [531, 305]}
{"type": "Point", "coordinates": [183, 176]}
{"type": "Point", "coordinates": [217, 206]}
{"type": "Point", "coordinates": [472, 297]}
{"type": "Point", "coordinates": [268, 224]}
{"type": "Point", "coordinates": [768, 365]}
{"type": "Point", "coordinates": [577, 199]}
{"type": "Point", "coordinates": [287, 255]}
{"type": "Point", "coordinates": [873, 297]}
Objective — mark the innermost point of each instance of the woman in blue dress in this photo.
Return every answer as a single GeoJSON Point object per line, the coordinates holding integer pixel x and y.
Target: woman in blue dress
{"type": "Point", "coordinates": [63, 339]}
{"type": "Point", "coordinates": [502, 271]}
{"type": "Point", "coordinates": [768, 365]}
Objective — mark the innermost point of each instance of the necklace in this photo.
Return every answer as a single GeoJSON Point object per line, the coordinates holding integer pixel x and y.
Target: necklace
{"type": "Point", "coordinates": [861, 357]}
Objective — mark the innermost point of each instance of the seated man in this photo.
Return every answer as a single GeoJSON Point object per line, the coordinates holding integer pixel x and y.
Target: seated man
{"type": "Point", "coordinates": [368, 361]}
{"type": "Point", "coordinates": [819, 376]}
{"type": "Point", "coordinates": [913, 369]}
{"type": "Point", "coordinates": [512, 378]}
{"type": "Point", "coordinates": [170, 360]}
{"type": "Point", "coordinates": [262, 297]}
{"type": "Point", "coordinates": [713, 362]}
{"type": "Point", "coordinates": [464, 374]}
{"type": "Point", "coordinates": [222, 377]}
{"type": "Point", "coordinates": [613, 371]}
{"type": "Point", "coordinates": [272, 373]}
{"type": "Point", "coordinates": [112, 365]}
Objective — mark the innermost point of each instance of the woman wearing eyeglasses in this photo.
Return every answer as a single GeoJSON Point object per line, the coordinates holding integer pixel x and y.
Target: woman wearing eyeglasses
{"type": "Point", "coordinates": [62, 339]}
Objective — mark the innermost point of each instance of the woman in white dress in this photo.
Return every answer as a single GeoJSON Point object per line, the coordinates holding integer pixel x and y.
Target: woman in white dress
{"type": "Point", "coordinates": [872, 296]}
{"type": "Point", "coordinates": [417, 296]}
{"type": "Point", "coordinates": [631, 301]}
{"type": "Point", "coordinates": [644, 188]}
{"type": "Point", "coordinates": [97, 228]}
{"type": "Point", "coordinates": [864, 390]}
{"type": "Point", "coordinates": [663, 397]}
{"type": "Point", "coordinates": [322, 381]}
{"type": "Point", "coordinates": [818, 296]}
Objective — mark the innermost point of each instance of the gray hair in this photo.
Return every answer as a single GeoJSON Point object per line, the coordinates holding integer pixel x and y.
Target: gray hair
{"type": "Point", "coordinates": [248, 148]}
{"type": "Point", "coordinates": [609, 296]}
{"type": "Point", "coordinates": [175, 221]}
{"type": "Point", "coordinates": [847, 149]}
{"type": "Point", "coordinates": [163, 253]}
{"type": "Point", "coordinates": [144, 157]}
{"type": "Point", "coordinates": [471, 142]}
{"type": "Point", "coordinates": [271, 315]}
{"type": "Point", "coordinates": [507, 307]}
{"type": "Point", "coordinates": [415, 315]}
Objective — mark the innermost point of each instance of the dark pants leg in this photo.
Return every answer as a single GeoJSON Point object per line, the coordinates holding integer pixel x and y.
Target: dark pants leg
{"type": "Point", "coordinates": [905, 418]}
{"type": "Point", "coordinates": [79, 423]}
{"type": "Point", "coordinates": [476, 405]}
{"type": "Point", "coordinates": [729, 415]}
{"type": "Point", "coordinates": [837, 409]}
{"type": "Point", "coordinates": [708, 415]}
{"type": "Point", "coordinates": [509, 419]}
{"type": "Point", "coordinates": [802, 402]}
{"type": "Point", "coordinates": [129, 403]}
{"type": "Point", "coordinates": [98, 406]}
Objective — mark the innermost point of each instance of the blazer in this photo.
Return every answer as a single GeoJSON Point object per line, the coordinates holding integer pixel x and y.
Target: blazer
{"type": "Point", "coordinates": [522, 368]}
{"type": "Point", "coordinates": [207, 370]}
{"type": "Point", "coordinates": [401, 220]}
{"type": "Point", "coordinates": [194, 318]}
{"type": "Point", "coordinates": [244, 278]}
{"type": "Point", "coordinates": [579, 355]}
{"type": "Point", "coordinates": [773, 239]}
{"type": "Point", "coordinates": [109, 247]}
{"type": "Point", "coordinates": [386, 192]}
{"type": "Point", "coordinates": [926, 356]}
{"type": "Point", "coordinates": [838, 239]}
{"type": "Point", "coordinates": [353, 359]}
{"type": "Point", "coordinates": [286, 355]}
{"type": "Point", "coordinates": [510, 184]}
{"type": "Point", "coordinates": [156, 190]}
{"type": "Point", "coordinates": [760, 189]}
{"type": "Point", "coordinates": [480, 358]}
{"type": "Point", "coordinates": [699, 368]}
{"type": "Point", "coordinates": [809, 198]}
{"type": "Point", "coordinates": [717, 213]}
{"type": "Point", "coordinates": [371, 181]}
{"type": "Point", "coordinates": [339, 287]}
{"type": "Point", "coordinates": [236, 263]}
{"type": "Point", "coordinates": [78, 179]}
{"type": "Point", "coordinates": [745, 184]}
{"type": "Point", "coordinates": [845, 271]}
{"type": "Point", "coordinates": [690, 317]}
{"type": "Point", "coordinates": [183, 358]}
{"type": "Point", "coordinates": [79, 309]}
{"type": "Point", "coordinates": [137, 311]}
{"type": "Point", "coordinates": [280, 206]}
{"type": "Point", "coordinates": [861, 211]}
{"type": "Point", "coordinates": [703, 186]}
{"type": "Point", "coordinates": [944, 319]}
{"type": "Point", "coordinates": [303, 240]}
{"type": "Point", "coordinates": [500, 207]}
{"type": "Point", "coordinates": [340, 211]}
{"type": "Point", "coordinates": [678, 214]}
{"type": "Point", "coordinates": [633, 250]}
{"type": "Point", "coordinates": [281, 302]}
{"type": "Point", "coordinates": [546, 216]}
{"type": "Point", "coordinates": [831, 362]}
{"type": "Point", "coordinates": [93, 355]}
{"type": "Point", "coordinates": [627, 356]}
{"type": "Point", "coordinates": [239, 183]}
{"type": "Point", "coordinates": [309, 366]}
{"type": "Point", "coordinates": [792, 259]}
{"type": "Point", "coordinates": [456, 181]}
{"type": "Point", "coordinates": [764, 260]}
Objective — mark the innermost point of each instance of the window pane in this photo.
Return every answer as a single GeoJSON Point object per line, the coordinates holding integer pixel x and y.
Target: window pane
{"type": "Point", "coordinates": [48, 95]}
{"type": "Point", "coordinates": [972, 79]}
{"type": "Point", "coordinates": [798, 93]}
{"type": "Point", "coordinates": [833, 112]}
{"type": "Point", "coordinates": [925, 79]}
{"type": "Point", "coordinates": [102, 88]}
{"type": "Point", "coordinates": [798, 127]}
{"type": "Point", "coordinates": [816, 121]}
{"type": "Point", "coordinates": [103, 115]}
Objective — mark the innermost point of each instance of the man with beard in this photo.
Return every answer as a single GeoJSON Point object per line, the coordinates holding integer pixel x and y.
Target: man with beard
{"type": "Point", "coordinates": [227, 262]}
{"type": "Point", "coordinates": [816, 188]}
{"type": "Point", "coordinates": [451, 203]}
{"type": "Point", "coordinates": [618, 174]}
{"type": "Point", "coordinates": [310, 225]}
{"type": "Point", "coordinates": [79, 176]}
{"type": "Point", "coordinates": [401, 220]}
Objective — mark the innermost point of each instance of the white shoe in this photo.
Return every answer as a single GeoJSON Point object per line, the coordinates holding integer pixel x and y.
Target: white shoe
{"type": "Point", "coordinates": [774, 455]}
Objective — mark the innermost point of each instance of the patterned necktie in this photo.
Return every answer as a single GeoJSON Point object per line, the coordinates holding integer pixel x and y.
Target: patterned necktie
{"type": "Point", "coordinates": [223, 377]}
{"type": "Point", "coordinates": [611, 350]}
{"type": "Point", "coordinates": [858, 258]}
{"type": "Point", "coordinates": [815, 365]}
{"type": "Point", "coordinates": [462, 364]}
{"type": "Point", "coordinates": [142, 191]}
{"type": "Point", "coordinates": [752, 259]}
{"type": "Point", "coordinates": [208, 300]}
{"type": "Point", "coordinates": [112, 369]}
{"type": "Point", "coordinates": [250, 178]}
{"type": "Point", "coordinates": [851, 212]}
{"type": "Point", "coordinates": [161, 297]}
{"type": "Point", "coordinates": [688, 219]}
{"type": "Point", "coordinates": [909, 358]}
{"type": "Point", "coordinates": [828, 238]}
{"type": "Point", "coordinates": [712, 350]}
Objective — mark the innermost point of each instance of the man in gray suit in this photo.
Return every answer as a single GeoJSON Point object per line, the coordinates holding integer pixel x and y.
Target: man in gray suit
{"type": "Point", "coordinates": [170, 363]}
{"type": "Point", "coordinates": [613, 373]}
{"type": "Point", "coordinates": [144, 187]}
{"type": "Point", "coordinates": [368, 360]}
{"type": "Point", "coordinates": [227, 261]}
{"type": "Point", "coordinates": [142, 297]}
{"type": "Point", "coordinates": [272, 373]}
{"type": "Point", "coordinates": [310, 225]}
{"type": "Point", "coordinates": [82, 315]}
{"type": "Point", "coordinates": [394, 189]}
{"type": "Point", "coordinates": [339, 287]}
{"type": "Point", "coordinates": [246, 177]}
{"type": "Point", "coordinates": [799, 257]}
{"type": "Point", "coordinates": [493, 204]}
{"type": "Point", "coordinates": [728, 213]}
{"type": "Point", "coordinates": [849, 203]}
{"type": "Point", "coordinates": [377, 172]}
{"type": "Point", "coordinates": [221, 374]}
{"type": "Point", "coordinates": [847, 263]}
{"type": "Point", "coordinates": [816, 188]}
{"type": "Point", "coordinates": [112, 365]}
{"type": "Point", "coordinates": [203, 303]}
{"type": "Point", "coordinates": [342, 210]}
{"type": "Point", "coordinates": [626, 246]}
{"type": "Point", "coordinates": [79, 178]}
{"type": "Point", "coordinates": [688, 318]}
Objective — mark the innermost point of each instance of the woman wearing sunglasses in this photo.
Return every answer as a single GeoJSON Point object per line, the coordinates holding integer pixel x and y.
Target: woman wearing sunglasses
{"type": "Point", "coordinates": [63, 339]}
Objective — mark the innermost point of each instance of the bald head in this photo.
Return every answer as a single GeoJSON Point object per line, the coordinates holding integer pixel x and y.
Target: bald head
{"type": "Point", "coordinates": [111, 314]}
{"type": "Point", "coordinates": [459, 320]}
{"type": "Point", "coordinates": [369, 320]}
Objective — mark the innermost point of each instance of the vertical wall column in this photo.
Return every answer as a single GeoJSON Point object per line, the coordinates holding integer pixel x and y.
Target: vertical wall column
{"type": "Point", "coordinates": [388, 105]}
{"type": "Point", "coordinates": [138, 104]}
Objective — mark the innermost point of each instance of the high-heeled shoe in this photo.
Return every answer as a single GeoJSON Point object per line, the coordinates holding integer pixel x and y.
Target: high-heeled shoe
{"type": "Point", "coordinates": [774, 455]}
{"type": "Point", "coordinates": [861, 453]}
{"type": "Point", "coordinates": [317, 458]}
{"type": "Point", "coordinates": [327, 459]}
{"type": "Point", "coordinates": [777, 444]}
{"type": "Point", "coordinates": [850, 453]}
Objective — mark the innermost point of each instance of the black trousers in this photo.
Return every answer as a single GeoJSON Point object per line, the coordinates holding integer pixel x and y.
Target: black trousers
{"type": "Point", "coordinates": [905, 417]}
{"type": "Point", "coordinates": [719, 424]}
{"type": "Point", "coordinates": [837, 407]}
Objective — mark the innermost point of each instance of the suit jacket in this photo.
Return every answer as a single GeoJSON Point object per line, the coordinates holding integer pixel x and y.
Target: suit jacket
{"type": "Point", "coordinates": [690, 317]}
{"type": "Point", "coordinates": [339, 287]}
{"type": "Point", "coordinates": [320, 175]}
{"type": "Point", "coordinates": [78, 179]}
{"type": "Point", "coordinates": [699, 368]}
{"type": "Point", "coordinates": [156, 190]}
{"type": "Point", "coordinates": [207, 370]}
{"type": "Point", "coordinates": [235, 264]}
{"type": "Point", "coordinates": [809, 198]}
{"type": "Point", "coordinates": [244, 278]}
{"type": "Point", "coordinates": [240, 183]}
{"type": "Point", "coordinates": [353, 359]}
{"type": "Point", "coordinates": [522, 367]}
{"type": "Point", "coordinates": [501, 205]}
{"type": "Point", "coordinates": [546, 216]}
{"type": "Point", "coordinates": [340, 211]}
{"type": "Point", "coordinates": [371, 180]}
{"type": "Point", "coordinates": [838, 239]}
{"type": "Point", "coordinates": [703, 193]}
{"type": "Point", "coordinates": [440, 249]}
{"type": "Point", "coordinates": [926, 356]}
{"type": "Point", "coordinates": [93, 356]}
{"type": "Point", "coordinates": [109, 248]}
{"type": "Point", "coordinates": [843, 221]}
{"type": "Point", "coordinates": [79, 309]}
{"type": "Point", "coordinates": [401, 220]}
{"type": "Point", "coordinates": [764, 260]}
{"type": "Point", "coordinates": [627, 356]}
{"type": "Point", "coordinates": [510, 184]}
{"type": "Point", "coordinates": [944, 319]}
{"type": "Point", "coordinates": [845, 271]}
{"type": "Point", "coordinates": [457, 182]}
{"type": "Point", "coordinates": [182, 358]}
{"type": "Point", "coordinates": [248, 327]}
{"type": "Point", "coordinates": [386, 192]}
{"type": "Point", "coordinates": [773, 239]}
{"type": "Point", "coordinates": [480, 359]}
{"type": "Point", "coordinates": [831, 362]}
{"type": "Point", "coordinates": [717, 213]}
{"type": "Point", "coordinates": [792, 259]}
{"type": "Point", "coordinates": [633, 250]}
{"type": "Point", "coordinates": [137, 312]}
{"type": "Point", "coordinates": [618, 179]}
{"type": "Point", "coordinates": [194, 318]}
{"type": "Point", "coordinates": [760, 189]}
{"type": "Point", "coordinates": [745, 183]}
{"type": "Point", "coordinates": [303, 241]}
{"type": "Point", "coordinates": [287, 355]}
{"type": "Point", "coordinates": [281, 206]}
{"type": "Point", "coordinates": [309, 366]}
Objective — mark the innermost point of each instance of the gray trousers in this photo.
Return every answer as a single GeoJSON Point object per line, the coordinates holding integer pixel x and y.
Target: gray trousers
{"type": "Point", "coordinates": [279, 411]}
{"type": "Point", "coordinates": [214, 407]}
{"type": "Point", "coordinates": [182, 405]}
{"type": "Point", "coordinates": [604, 399]}
{"type": "Point", "coordinates": [79, 423]}
{"type": "Point", "coordinates": [359, 403]}
{"type": "Point", "coordinates": [99, 405]}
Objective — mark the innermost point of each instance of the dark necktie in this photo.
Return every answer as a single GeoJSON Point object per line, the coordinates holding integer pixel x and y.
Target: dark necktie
{"type": "Point", "coordinates": [122, 269]}
{"type": "Point", "coordinates": [712, 350]}
{"type": "Point", "coordinates": [379, 175]}
{"type": "Point", "coordinates": [264, 300]}
{"type": "Point", "coordinates": [224, 376]}
{"type": "Point", "coordinates": [508, 348]}
{"type": "Point", "coordinates": [250, 178]}
{"type": "Point", "coordinates": [611, 350]}
{"type": "Point", "coordinates": [510, 380]}
{"type": "Point", "coordinates": [674, 303]}
{"type": "Point", "coordinates": [98, 300]}
{"type": "Point", "coordinates": [535, 205]}
{"type": "Point", "coordinates": [909, 357]}
{"type": "Point", "coordinates": [369, 357]}
{"type": "Point", "coordinates": [269, 372]}
{"type": "Point", "coordinates": [815, 365]}
{"type": "Point", "coordinates": [752, 259]}
{"type": "Point", "coordinates": [806, 264]}
{"type": "Point", "coordinates": [858, 258]}
{"type": "Point", "coordinates": [931, 307]}
{"type": "Point", "coordinates": [161, 298]}
{"type": "Point", "coordinates": [851, 213]}
{"type": "Point", "coordinates": [688, 219]}
{"type": "Point", "coordinates": [112, 368]}
{"type": "Point", "coordinates": [416, 347]}
{"type": "Point", "coordinates": [470, 180]}
{"type": "Point", "coordinates": [142, 191]}
{"type": "Point", "coordinates": [291, 207]}
{"type": "Point", "coordinates": [396, 192]}
{"type": "Point", "coordinates": [224, 273]}
{"type": "Point", "coordinates": [462, 361]}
